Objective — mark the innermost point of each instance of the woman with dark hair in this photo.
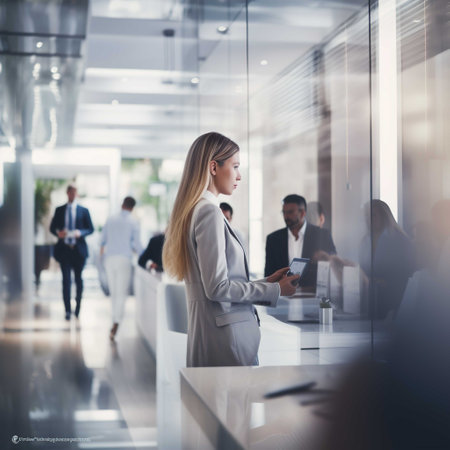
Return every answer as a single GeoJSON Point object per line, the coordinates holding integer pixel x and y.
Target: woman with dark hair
{"type": "Point", "coordinates": [390, 251]}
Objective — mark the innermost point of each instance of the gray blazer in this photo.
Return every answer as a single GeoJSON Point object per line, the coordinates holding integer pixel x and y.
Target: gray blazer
{"type": "Point", "coordinates": [222, 326]}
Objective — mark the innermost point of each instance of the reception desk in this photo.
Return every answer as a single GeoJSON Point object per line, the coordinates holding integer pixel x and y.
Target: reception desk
{"type": "Point", "coordinates": [145, 290]}
{"type": "Point", "coordinates": [161, 315]}
{"type": "Point", "coordinates": [225, 407]}
{"type": "Point", "coordinates": [313, 349]}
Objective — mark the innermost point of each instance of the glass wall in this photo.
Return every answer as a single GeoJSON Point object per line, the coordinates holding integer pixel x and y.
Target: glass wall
{"type": "Point", "coordinates": [309, 86]}
{"type": "Point", "coordinates": [342, 103]}
{"type": "Point", "coordinates": [223, 87]}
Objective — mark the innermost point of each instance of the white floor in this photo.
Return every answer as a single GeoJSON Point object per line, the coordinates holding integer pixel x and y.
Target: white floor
{"type": "Point", "coordinates": [66, 381]}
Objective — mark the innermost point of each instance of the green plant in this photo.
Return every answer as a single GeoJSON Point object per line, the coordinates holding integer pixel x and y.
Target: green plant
{"type": "Point", "coordinates": [143, 173]}
{"type": "Point", "coordinates": [325, 303]}
{"type": "Point", "coordinates": [42, 194]}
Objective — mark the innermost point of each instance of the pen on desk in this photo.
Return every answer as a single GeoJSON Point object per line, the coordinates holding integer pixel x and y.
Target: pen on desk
{"type": "Point", "coordinates": [291, 390]}
{"type": "Point", "coordinates": [315, 401]}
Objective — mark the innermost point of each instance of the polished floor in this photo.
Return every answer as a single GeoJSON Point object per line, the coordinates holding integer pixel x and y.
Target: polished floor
{"type": "Point", "coordinates": [65, 385]}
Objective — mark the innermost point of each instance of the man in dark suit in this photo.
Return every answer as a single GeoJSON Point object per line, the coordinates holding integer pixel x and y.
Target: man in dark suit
{"type": "Point", "coordinates": [71, 223]}
{"type": "Point", "coordinates": [153, 253]}
{"type": "Point", "coordinates": [298, 240]}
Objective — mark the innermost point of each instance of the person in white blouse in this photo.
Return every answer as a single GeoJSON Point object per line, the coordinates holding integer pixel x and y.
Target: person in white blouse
{"type": "Point", "coordinates": [120, 238]}
{"type": "Point", "coordinates": [202, 249]}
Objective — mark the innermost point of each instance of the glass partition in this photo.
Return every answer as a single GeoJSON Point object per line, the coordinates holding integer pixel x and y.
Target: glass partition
{"type": "Point", "coordinates": [411, 160]}
{"type": "Point", "coordinates": [222, 87]}
{"type": "Point", "coordinates": [339, 102]}
{"type": "Point", "coordinates": [309, 84]}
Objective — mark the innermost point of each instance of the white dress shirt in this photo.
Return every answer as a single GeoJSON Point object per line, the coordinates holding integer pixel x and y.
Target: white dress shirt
{"type": "Point", "coordinates": [295, 246]}
{"type": "Point", "coordinates": [120, 235]}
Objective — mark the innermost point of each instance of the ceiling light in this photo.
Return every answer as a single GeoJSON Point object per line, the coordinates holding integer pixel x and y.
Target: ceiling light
{"type": "Point", "coordinates": [169, 54]}
{"type": "Point", "coordinates": [56, 76]}
{"type": "Point", "coordinates": [222, 29]}
{"type": "Point", "coordinates": [115, 102]}
{"type": "Point", "coordinates": [39, 44]}
{"type": "Point", "coordinates": [36, 69]}
{"type": "Point", "coordinates": [195, 80]}
{"type": "Point", "coordinates": [417, 21]}
{"type": "Point", "coordinates": [54, 69]}
{"type": "Point", "coordinates": [264, 62]}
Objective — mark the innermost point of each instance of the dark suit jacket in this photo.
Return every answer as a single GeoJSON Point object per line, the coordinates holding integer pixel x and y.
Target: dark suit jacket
{"type": "Point", "coordinates": [82, 222]}
{"type": "Point", "coordinates": [277, 251]}
{"type": "Point", "coordinates": [153, 251]}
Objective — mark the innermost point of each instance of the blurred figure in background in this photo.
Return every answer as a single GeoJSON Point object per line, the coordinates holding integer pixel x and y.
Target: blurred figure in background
{"type": "Point", "coordinates": [391, 252]}
{"type": "Point", "coordinates": [315, 215]}
{"type": "Point", "coordinates": [151, 258]}
{"type": "Point", "coordinates": [120, 237]}
{"type": "Point", "coordinates": [227, 211]}
{"type": "Point", "coordinates": [71, 224]}
{"type": "Point", "coordinates": [403, 402]}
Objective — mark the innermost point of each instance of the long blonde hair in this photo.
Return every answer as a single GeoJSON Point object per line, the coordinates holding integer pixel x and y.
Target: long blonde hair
{"type": "Point", "coordinates": [195, 179]}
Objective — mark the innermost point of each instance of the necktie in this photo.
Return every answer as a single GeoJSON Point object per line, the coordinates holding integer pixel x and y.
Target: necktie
{"type": "Point", "coordinates": [71, 238]}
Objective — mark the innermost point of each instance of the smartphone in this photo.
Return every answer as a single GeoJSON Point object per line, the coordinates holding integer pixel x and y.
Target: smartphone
{"type": "Point", "coordinates": [297, 267]}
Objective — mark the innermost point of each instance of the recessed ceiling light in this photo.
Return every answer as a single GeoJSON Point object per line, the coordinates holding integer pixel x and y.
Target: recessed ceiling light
{"type": "Point", "coordinates": [222, 29]}
{"type": "Point", "coordinates": [417, 21]}
{"type": "Point", "coordinates": [54, 69]}
{"type": "Point", "coordinates": [56, 76]}
{"type": "Point", "coordinates": [115, 102]}
{"type": "Point", "coordinates": [195, 80]}
{"type": "Point", "coordinates": [264, 62]}
{"type": "Point", "coordinates": [39, 44]}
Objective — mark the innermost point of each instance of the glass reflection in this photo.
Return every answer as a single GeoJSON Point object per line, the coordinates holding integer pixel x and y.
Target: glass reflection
{"type": "Point", "coordinates": [310, 135]}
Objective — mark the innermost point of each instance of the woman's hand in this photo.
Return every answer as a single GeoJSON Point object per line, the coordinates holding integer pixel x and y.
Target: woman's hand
{"type": "Point", "coordinates": [278, 275]}
{"type": "Point", "coordinates": [288, 285]}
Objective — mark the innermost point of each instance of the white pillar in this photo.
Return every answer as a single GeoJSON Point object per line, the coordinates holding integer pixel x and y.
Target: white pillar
{"type": "Point", "coordinates": [388, 94]}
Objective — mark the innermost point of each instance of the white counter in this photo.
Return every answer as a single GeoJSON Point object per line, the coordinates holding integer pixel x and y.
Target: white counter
{"type": "Point", "coordinates": [145, 290]}
{"type": "Point", "coordinates": [225, 407]}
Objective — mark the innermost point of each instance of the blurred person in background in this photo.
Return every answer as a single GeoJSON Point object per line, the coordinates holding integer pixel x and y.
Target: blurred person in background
{"type": "Point", "coordinates": [402, 401]}
{"type": "Point", "coordinates": [390, 250]}
{"type": "Point", "coordinates": [315, 214]}
{"type": "Point", "coordinates": [227, 211]}
{"type": "Point", "coordinates": [151, 258]}
{"type": "Point", "coordinates": [71, 223]}
{"type": "Point", "coordinates": [120, 238]}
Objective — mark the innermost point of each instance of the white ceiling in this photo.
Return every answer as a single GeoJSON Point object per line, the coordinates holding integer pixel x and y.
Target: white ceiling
{"type": "Point", "coordinates": [131, 100]}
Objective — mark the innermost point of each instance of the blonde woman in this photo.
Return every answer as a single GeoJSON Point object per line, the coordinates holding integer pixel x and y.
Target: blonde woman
{"type": "Point", "coordinates": [202, 249]}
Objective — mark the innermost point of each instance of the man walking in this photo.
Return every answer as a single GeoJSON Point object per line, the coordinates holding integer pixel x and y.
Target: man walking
{"type": "Point", "coordinates": [71, 223]}
{"type": "Point", "coordinates": [120, 237]}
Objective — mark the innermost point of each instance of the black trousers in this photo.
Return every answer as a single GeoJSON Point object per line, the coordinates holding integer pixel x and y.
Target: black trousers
{"type": "Point", "coordinates": [72, 260]}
